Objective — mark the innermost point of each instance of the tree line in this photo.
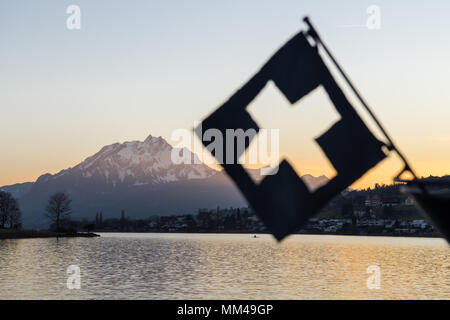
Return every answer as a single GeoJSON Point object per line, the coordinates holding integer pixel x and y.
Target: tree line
{"type": "Point", "coordinates": [10, 215]}
{"type": "Point", "coordinates": [57, 210]}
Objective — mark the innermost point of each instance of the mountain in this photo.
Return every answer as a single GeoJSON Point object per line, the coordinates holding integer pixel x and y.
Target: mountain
{"type": "Point", "coordinates": [18, 190]}
{"type": "Point", "coordinates": [132, 164]}
{"type": "Point", "coordinates": [138, 177]}
{"type": "Point", "coordinates": [314, 182]}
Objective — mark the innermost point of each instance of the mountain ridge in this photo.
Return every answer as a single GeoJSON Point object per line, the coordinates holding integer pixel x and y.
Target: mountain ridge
{"type": "Point", "coordinates": [137, 176]}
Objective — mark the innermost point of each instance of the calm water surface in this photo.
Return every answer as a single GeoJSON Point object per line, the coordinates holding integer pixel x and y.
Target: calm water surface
{"type": "Point", "coordinates": [224, 266]}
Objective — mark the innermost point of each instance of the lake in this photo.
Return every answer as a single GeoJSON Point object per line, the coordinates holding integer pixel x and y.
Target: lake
{"type": "Point", "coordinates": [225, 266]}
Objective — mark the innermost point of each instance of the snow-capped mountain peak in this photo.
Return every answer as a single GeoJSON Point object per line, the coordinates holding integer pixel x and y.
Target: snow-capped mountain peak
{"type": "Point", "coordinates": [152, 139]}
{"type": "Point", "coordinates": [136, 163]}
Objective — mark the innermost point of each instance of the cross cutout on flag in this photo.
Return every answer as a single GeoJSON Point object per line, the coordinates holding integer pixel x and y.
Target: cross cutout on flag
{"type": "Point", "coordinates": [282, 201]}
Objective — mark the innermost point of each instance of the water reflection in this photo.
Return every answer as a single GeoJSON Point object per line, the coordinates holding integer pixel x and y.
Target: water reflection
{"type": "Point", "coordinates": [180, 266]}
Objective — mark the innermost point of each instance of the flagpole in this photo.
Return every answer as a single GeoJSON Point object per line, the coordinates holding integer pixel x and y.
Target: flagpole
{"type": "Point", "coordinates": [313, 33]}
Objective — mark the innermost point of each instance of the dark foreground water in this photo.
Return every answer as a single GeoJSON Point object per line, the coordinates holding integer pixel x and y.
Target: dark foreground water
{"type": "Point", "coordinates": [225, 266]}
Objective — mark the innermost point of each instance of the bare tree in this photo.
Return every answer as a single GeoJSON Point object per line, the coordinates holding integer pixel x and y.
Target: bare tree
{"type": "Point", "coordinates": [58, 208]}
{"type": "Point", "coordinates": [4, 208]}
{"type": "Point", "coordinates": [9, 211]}
{"type": "Point", "coordinates": [14, 216]}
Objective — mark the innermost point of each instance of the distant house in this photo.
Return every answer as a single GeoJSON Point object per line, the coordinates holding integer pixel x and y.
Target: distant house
{"type": "Point", "coordinates": [373, 201]}
{"type": "Point", "coordinates": [389, 224]}
{"type": "Point", "coordinates": [371, 223]}
{"type": "Point", "coordinates": [390, 202]}
{"type": "Point", "coordinates": [359, 212]}
{"type": "Point", "coordinates": [404, 230]}
{"type": "Point", "coordinates": [419, 224]}
{"type": "Point", "coordinates": [409, 201]}
{"type": "Point", "coordinates": [331, 229]}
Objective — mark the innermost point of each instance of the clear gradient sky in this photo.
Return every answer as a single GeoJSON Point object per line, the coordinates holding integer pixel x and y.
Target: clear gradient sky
{"type": "Point", "coordinates": [148, 67]}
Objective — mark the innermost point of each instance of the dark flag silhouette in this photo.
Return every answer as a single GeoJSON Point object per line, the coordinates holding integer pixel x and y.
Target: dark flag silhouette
{"type": "Point", "coordinates": [282, 201]}
{"type": "Point", "coordinates": [433, 199]}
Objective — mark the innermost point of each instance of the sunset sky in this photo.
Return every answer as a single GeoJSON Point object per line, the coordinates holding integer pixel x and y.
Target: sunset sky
{"type": "Point", "coordinates": [149, 67]}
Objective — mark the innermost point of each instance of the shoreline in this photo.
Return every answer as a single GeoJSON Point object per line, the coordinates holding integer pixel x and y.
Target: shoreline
{"type": "Point", "coordinates": [395, 235]}
{"type": "Point", "coordinates": [33, 234]}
